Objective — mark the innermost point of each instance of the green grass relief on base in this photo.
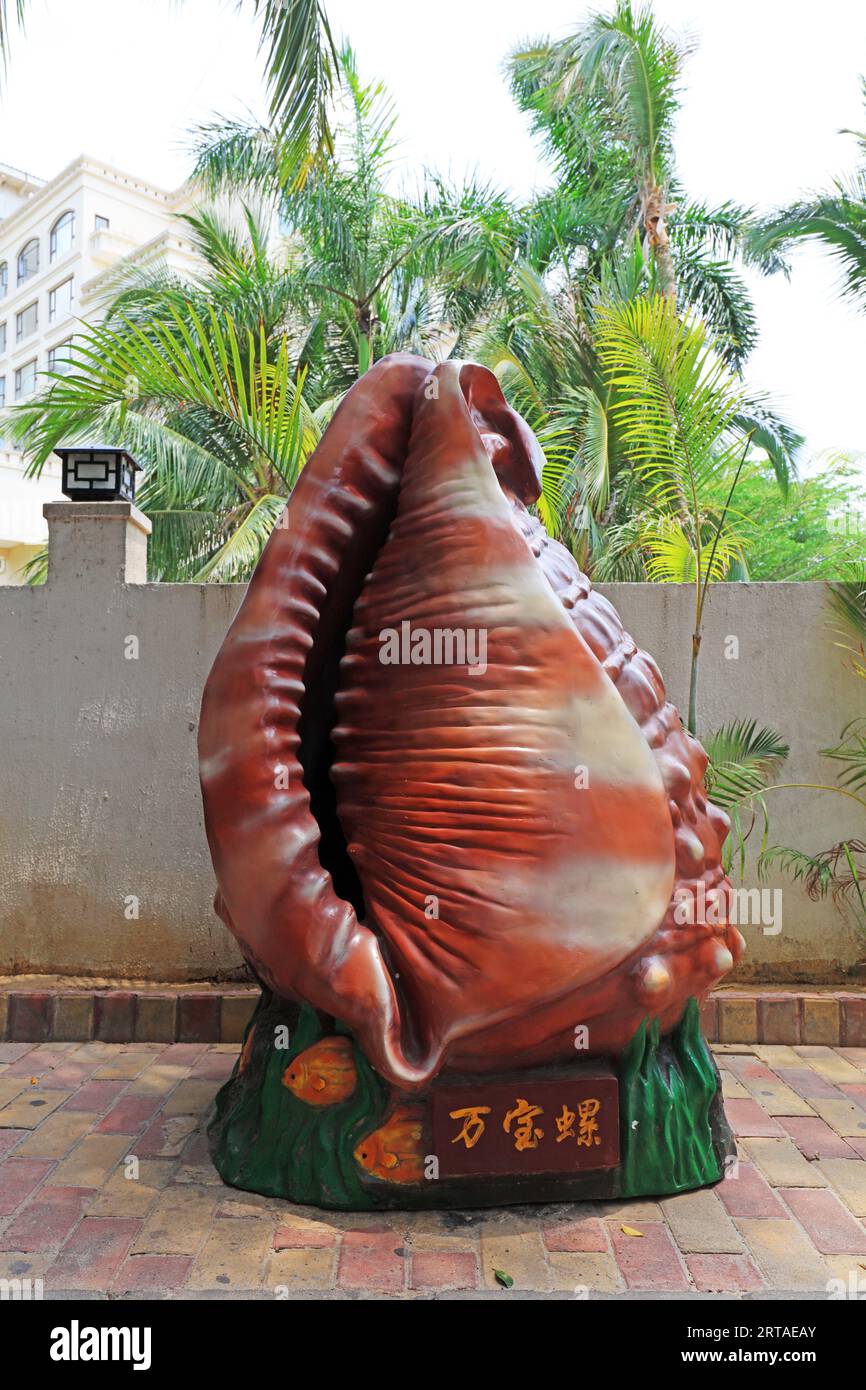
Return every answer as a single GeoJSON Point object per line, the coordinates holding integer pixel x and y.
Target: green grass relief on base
{"type": "Point", "coordinates": [666, 1089]}
{"type": "Point", "coordinates": [264, 1139]}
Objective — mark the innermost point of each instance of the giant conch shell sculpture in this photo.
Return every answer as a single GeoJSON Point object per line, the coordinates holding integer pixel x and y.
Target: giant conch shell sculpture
{"type": "Point", "coordinates": [459, 861]}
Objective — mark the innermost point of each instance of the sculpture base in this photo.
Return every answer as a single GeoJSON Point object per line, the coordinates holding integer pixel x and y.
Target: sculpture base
{"type": "Point", "coordinates": [304, 1117]}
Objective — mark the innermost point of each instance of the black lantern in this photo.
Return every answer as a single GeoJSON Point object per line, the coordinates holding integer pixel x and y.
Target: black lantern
{"type": "Point", "coordinates": [97, 471]}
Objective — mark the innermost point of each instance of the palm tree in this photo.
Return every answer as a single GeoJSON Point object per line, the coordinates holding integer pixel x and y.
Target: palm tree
{"type": "Point", "coordinates": [605, 101]}
{"type": "Point", "coordinates": [201, 382]}
{"type": "Point", "coordinates": [613, 83]}
{"type": "Point", "coordinates": [369, 265]}
{"type": "Point", "coordinates": [301, 58]}
{"type": "Point", "coordinates": [835, 219]}
{"type": "Point", "coordinates": [680, 413]}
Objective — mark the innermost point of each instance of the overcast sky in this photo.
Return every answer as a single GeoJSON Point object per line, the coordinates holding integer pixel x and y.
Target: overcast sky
{"type": "Point", "coordinates": [767, 89]}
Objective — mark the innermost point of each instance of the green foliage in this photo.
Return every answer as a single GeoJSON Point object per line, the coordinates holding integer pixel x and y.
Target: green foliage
{"type": "Point", "coordinates": [203, 389]}
{"type": "Point", "coordinates": [743, 761]}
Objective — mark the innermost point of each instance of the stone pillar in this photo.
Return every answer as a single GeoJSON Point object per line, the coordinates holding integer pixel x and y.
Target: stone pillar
{"type": "Point", "coordinates": [96, 544]}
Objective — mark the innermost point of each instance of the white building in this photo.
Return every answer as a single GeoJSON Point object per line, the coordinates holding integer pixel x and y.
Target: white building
{"type": "Point", "coordinates": [61, 243]}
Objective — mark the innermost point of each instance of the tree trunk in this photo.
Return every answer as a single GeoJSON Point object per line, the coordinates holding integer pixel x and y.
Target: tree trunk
{"type": "Point", "coordinates": [655, 209]}
{"type": "Point", "coordinates": [365, 339]}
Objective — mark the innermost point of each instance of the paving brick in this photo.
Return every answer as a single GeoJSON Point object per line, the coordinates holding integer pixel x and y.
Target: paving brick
{"type": "Point", "coordinates": [58, 1134]}
{"type": "Point", "coordinates": [214, 1066]}
{"type": "Point", "coordinates": [236, 1010]}
{"type": "Point", "coordinates": [293, 1270]}
{"type": "Point", "coordinates": [778, 1018]}
{"type": "Point", "coordinates": [724, 1273]}
{"type": "Point", "coordinates": [776, 1055]}
{"type": "Point", "coordinates": [699, 1222]}
{"type": "Point", "coordinates": [732, 1089]}
{"type": "Point", "coordinates": [125, 1065]}
{"type": "Point", "coordinates": [746, 1118]}
{"type": "Point", "coordinates": [198, 1018]}
{"type": "Point", "coordinates": [648, 1262]}
{"type": "Point", "coordinates": [31, 1107]}
{"type": "Point", "coordinates": [11, 1087]}
{"type": "Point", "coordinates": [46, 1220]}
{"type": "Point", "coordinates": [11, 1051]}
{"type": "Point", "coordinates": [23, 1264]}
{"type": "Point", "coordinates": [72, 1018]}
{"type": "Point", "coordinates": [587, 1233]}
{"type": "Point", "coordinates": [132, 1191]}
{"type": "Point", "coordinates": [157, 1079]}
{"type": "Point", "coordinates": [815, 1139]}
{"type": "Point", "coordinates": [829, 1064]}
{"type": "Point", "coordinates": [808, 1083]}
{"type": "Point", "coordinates": [232, 1256]}
{"type": "Point", "coordinates": [370, 1261]}
{"type": "Point", "coordinates": [853, 1020]}
{"type": "Point", "coordinates": [9, 1138]}
{"type": "Point", "coordinates": [848, 1177]}
{"type": "Point", "coordinates": [18, 1178]}
{"type": "Point", "coordinates": [129, 1115]}
{"type": "Point", "coordinates": [829, 1225]}
{"type": "Point", "coordinates": [182, 1054]}
{"type": "Point", "coordinates": [747, 1193]}
{"type": "Point", "coordinates": [585, 1274]}
{"type": "Point", "coordinates": [821, 1020]}
{"type": "Point", "coordinates": [156, 1018]}
{"type": "Point", "coordinates": [179, 1222]}
{"type": "Point", "coordinates": [308, 1237]}
{"type": "Point", "coordinates": [96, 1096]}
{"type": "Point", "coordinates": [783, 1253]}
{"type": "Point", "coordinates": [150, 1273]}
{"type": "Point", "coordinates": [114, 1016]}
{"type": "Point", "coordinates": [435, 1269]}
{"type": "Point", "coordinates": [517, 1251]}
{"type": "Point", "coordinates": [782, 1163]}
{"type": "Point", "coordinates": [630, 1211]}
{"type": "Point", "coordinates": [93, 1253]}
{"type": "Point", "coordinates": [772, 1093]}
{"type": "Point", "coordinates": [738, 1019]}
{"type": "Point", "coordinates": [90, 1162]}
{"type": "Point", "coordinates": [857, 1055]}
{"type": "Point", "coordinates": [29, 1018]}
{"type": "Point", "coordinates": [191, 1098]}
{"type": "Point", "coordinates": [165, 1138]}
{"type": "Point", "coordinates": [844, 1116]}
{"type": "Point", "coordinates": [67, 1077]}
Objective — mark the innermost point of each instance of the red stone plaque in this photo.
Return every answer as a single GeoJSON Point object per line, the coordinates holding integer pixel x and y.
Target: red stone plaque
{"type": "Point", "coordinates": [563, 1124]}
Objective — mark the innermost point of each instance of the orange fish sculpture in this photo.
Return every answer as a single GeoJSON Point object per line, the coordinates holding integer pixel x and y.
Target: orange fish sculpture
{"type": "Point", "coordinates": [324, 1074]}
{"type": "Point", "coordinates": [395, 1151]}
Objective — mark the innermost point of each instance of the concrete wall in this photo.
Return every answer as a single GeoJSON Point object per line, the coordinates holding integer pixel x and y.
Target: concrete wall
{"type": "Point", "coordinates": [99, 801]}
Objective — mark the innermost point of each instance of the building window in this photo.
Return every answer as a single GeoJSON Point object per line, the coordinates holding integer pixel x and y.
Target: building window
{"type": "Point", "coordinates": [60, 357]}
{"type": "Point", "coordinates": [2, 337]}
{"type": "Point", "coordinates": [28, 260]}
{"type": "Point", "coordinates": [25, 381]}
{"type": "Point", "coordinates": [60, 301]}
{"type": "Point", "coordinates": [4, 279]}
{"type": "Point", "coordinates": [2, 391]}
{"type": "Point", "coordinates": [101, 223]}
{"type": "Point", "coordinates": [27, 322]}
{"type": "Point", "coordinates": [62, 237]}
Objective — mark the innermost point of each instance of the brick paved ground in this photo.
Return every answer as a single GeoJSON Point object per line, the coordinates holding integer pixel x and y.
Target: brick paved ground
{"type": "Point", "coordinates": [789, 1220]}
